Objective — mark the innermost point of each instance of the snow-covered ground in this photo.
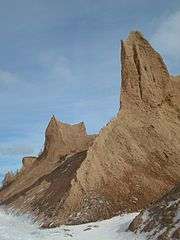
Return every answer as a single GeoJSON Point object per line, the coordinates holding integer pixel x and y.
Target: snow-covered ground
{"type": "Point", "coordinates": [21, 228]}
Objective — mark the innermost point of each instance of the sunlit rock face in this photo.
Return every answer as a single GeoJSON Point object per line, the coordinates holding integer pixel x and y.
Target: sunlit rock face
{"type": "Point", "coordinates": [135, 158]}
{"type": "Point", "coordinates": [63, 139]}
{"type": "Point", "coordinates": [28, 162]}
{"type": "Point", "coordinates": [132, 162]}
{"type": "Point", "coordinates": [176, 84]}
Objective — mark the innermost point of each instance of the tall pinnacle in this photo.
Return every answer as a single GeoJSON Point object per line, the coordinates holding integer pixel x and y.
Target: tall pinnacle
{"type": "Point", "coordinates": [145, 78]}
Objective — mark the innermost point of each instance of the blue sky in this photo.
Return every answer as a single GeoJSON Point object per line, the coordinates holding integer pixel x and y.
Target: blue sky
{"type": "Point", "coordinates": [62, 58]}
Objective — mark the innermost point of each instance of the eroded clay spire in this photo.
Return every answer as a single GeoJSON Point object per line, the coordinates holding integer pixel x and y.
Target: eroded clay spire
{"type": "Point", "coordinates": [145, 78]}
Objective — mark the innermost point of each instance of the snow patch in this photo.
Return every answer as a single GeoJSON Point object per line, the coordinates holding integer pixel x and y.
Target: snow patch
{"type": "Point", "coordinates": [13, 227]}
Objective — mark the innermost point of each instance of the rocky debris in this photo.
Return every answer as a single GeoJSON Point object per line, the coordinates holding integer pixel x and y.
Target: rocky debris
{"type": "Point", "coordinates": [161, 220]}
{"type": "Point", "coordinates": [132, 162]}
{"type": "Point", "coordinates": [90, 207]}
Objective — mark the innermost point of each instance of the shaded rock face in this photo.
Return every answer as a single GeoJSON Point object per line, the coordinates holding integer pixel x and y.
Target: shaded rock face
{"type": "Point", "coordinates": [132, 161]}
{"type": "Point", "coordinates": [160, 221]}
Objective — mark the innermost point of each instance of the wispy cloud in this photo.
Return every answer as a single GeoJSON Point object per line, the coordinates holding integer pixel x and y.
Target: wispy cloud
{"type": "Point", "coordinates": [56, 66]}
{"type": "Point", "coordinates": [167, 35]}
{"type": "Point", "coordinates": [7, 78]}
{"type": "Point", "coordinates": [15, 150]}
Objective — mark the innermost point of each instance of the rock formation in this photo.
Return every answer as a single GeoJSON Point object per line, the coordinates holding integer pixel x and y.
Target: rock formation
{"type": "Point", "coordinates": [62, 139]}
{"type": "Point", "coordinates": [28, 162]}
{"type": "Point", "coordinates": [136, 157]}
{"type": "Point", "coordinates": [160, 221]}
{"type": "Point", "coordinates": [132, 161]}
{"type": "Point", "coordinates": [9, 178]}
{"type": "Point", "coordinates": [44, 181]}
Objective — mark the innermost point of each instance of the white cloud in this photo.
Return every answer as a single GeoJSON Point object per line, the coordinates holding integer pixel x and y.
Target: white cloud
{"type": "Point", "coordinates": [167, 35]}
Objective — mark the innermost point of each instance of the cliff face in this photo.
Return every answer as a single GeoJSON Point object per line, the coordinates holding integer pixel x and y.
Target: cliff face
{"type": "Point", "coordinates": [160, 221]}
{"type": "Point", "coordinates": [44, 181]}
{"type": "Point", "coordinates": [145, 79]}
{"type": "Point", "coordinates": [62, 139]}
{"type": "Point", "coordinates": [132, 161]}
{"type": "Point", "coordinates": [176, 83]}
{"type": "Point", "coordinates": [135, 158]}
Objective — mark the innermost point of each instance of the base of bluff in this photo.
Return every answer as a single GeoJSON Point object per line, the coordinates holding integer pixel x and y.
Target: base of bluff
{"type": "Point", "coordinates": [133, 161]}
{"type": "Point", "coordinates": [160, 221]}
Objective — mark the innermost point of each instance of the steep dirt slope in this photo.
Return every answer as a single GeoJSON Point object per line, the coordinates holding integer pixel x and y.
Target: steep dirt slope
{"type": "Point", "coordinates": [176, 83]}
{"type": "Point", "coordinates": [132, 161]}
{"type": "Point", "coordinates": [43, 182]}
{"type": "Point", "coordinates": [160, 221]}
{"type": "Point", "coordinates": [135, 158]}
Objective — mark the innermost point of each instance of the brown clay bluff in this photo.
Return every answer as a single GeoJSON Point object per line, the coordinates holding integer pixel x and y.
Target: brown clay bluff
{"type": "Point", "coordinates": [132, 162]}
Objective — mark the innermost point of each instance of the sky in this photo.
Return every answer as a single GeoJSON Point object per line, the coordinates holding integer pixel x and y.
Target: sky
{"type": "Point", "coordinates": [62, 58]}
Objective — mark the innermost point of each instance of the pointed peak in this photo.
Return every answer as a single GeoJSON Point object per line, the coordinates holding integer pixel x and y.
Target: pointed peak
{"type": "Point", "coordinates": [145, 78]}
{"type": "Point", "coordinates": [54, 119]}
{"type": "Point", "coordinates": [135, 35]}
{"type": "Point", "coordinates": [81, 124]}
{"type": "Point", "coordinates": [53, 122]}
